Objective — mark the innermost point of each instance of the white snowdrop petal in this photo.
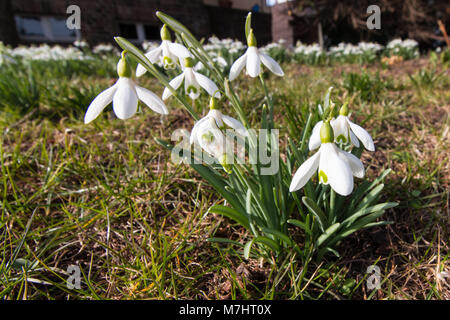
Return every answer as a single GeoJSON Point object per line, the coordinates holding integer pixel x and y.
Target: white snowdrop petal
{"type": "Point", "coordinates": [253, 62]}
{"type": "Point", "coordinates": [338, 171]}
{"type": "Point", "coordinates": [237, 66]}
{"type": "Point", "coordinates": [125, 100]}
{"type": "Point", "coordinates": [207, 84]}
{"type": "Point", "coordinates": [363, 136]}
{"type": "Point", "coordinates": [354, 140]}
{"type": "Point", "coordinates": [152, 56]}
{"type": "Point", "coordinates": [355, 164]}
{"type": "Point", "coordinates": [235, 124]}
{"type": "Point", "coordinates": [151, 100]}
{"type": "Point", "coordinates": [195, 130]}
{"type": "Point", "coordinates": [179, 50]}
{"type": "Point", "coordinates": [271, 64]}
{"type": "Point", "coordinates": [314, 140]}
{"type": "Point", "coordinates": [305, 172]}
{"type": "Point", "coordinates": [174, 83]}
{"type": "Point", "coordinates": [99, 103]}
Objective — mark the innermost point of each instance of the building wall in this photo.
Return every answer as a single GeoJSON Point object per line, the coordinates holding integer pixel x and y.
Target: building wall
{"type": "Point", "coordinates": [230, 23]}
{"type": "Point", "coordinates": [240, 4]}
{"type": "Point", "coordinates": [7, 25]}
{"type": "Point", "coordinates": [100, 18]}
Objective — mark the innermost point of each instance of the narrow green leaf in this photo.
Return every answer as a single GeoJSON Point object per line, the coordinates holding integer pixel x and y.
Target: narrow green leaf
{"type": "Point", "coordinates": [329, 232]}
{"type": "Point", "coordinates": [317, 212]}
{"type": "Point", "coordinates": [231, 213]}
{"type": "Point", "coordinates": [248, 24]}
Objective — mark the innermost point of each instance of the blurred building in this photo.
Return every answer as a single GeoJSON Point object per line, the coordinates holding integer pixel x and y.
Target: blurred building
{"type": "Point", "coordinates": [37, 21]}
{"type": "Point", "coordinates": [332, 21]}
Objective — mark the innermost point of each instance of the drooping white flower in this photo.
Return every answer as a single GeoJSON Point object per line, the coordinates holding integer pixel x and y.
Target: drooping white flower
{"type": "Point", "coordinates": [220, 121]}
{"type": "Point", "coordinates": [344, 131]}
{"type": "Point", "coordinates": [193, 81]}
{"type": "Point", "coordinates": [124, 95]}
{"type": "Point", "coordinates": [334, 166]}
{"type": "Point", "coordinates": [166, 54]}
{"type": "Point", "coordinates": [252, 60]}
{"type": "Point", "coordinates": [208, 133]}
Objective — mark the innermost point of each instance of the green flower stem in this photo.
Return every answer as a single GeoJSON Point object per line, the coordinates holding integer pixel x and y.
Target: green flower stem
{"type": "Point", "coordinates": [269, 100]}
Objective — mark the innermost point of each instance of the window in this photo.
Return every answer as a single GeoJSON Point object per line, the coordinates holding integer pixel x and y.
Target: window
{"type": "Point", "coordinates": [138, 32]}
{"type": "Point", "coordinates": [39, 28]}
{"type": "Point", "coordinates": [29, 26]}
{"type": "Point", "coordinates": [60, 30]}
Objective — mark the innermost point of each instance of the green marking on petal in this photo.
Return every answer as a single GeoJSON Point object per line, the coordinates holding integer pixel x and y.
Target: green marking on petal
{"type": "Point", "coordinates": [208, 137]}
{"type": "Point", "coordinates": [341, 138]}
{"type": "Point", "coordinates": [191, 89]}
{"type": "Point", "coordinates": [168, 63]}
{"type": "Point", "coordinates": [323, 177]}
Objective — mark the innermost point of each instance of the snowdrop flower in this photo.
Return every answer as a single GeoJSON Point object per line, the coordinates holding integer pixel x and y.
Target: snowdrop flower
{"type": "Point", "coordinates": [192, 82]}
{"type": "Point", "coordinates": [252, 59]}
{"type": "Point", "coordinates": [124, 95]}
{"type": "Point", "coordinates": [220, 121]}
{"type": "Point", "coordinates": [335, 166]}
{"type": "Point", "coordinates": [167, 53]}
{"type": "Point", "coordinates": [345, 131]}
{"type": "Point", "coordinates": [208, 133]}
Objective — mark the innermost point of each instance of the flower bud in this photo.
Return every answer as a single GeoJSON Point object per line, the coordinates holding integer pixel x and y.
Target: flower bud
{"type": "Point", "coordinates": [165, 33]}
{"type": "Point", "coordinates": [326, 133]}
{"type": "Point", "coordinates": [123, 68]}
{"type": "Point", "coordinates": [344, 110]}
{"type": "Point", "coordinates": [251, 40]}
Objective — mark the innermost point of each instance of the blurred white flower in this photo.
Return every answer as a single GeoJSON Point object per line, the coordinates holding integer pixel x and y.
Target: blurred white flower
{"type": "Point", "coordinates": [252, 59]}
{"type": "Point", "coordinates": [192, 82]}
{"type": "Point", "coordinates": [167, 53]}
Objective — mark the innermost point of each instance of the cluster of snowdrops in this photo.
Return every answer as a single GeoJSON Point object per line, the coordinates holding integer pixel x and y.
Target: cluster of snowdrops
{"type": "Point", "coordinates": [263, 204]}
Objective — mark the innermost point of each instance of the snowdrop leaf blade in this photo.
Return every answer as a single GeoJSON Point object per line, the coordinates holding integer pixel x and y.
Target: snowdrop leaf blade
{"type": "Point", "coordinates": [271, 64]}
{"type": "Point", "coordinates": [305, 172]}
{"type": "Point", "coordinates": [248, 24]}
{"type": "Point", "coordinates": [151, 100]}
{"type": "Point", "coordinates": [99, 103]}
{"type": "Point", "coordinates": [179, 28]}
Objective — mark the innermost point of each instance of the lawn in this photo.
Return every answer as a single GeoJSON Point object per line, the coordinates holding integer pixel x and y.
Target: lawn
{"type": "Point", "coordinates": [106, 196]}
